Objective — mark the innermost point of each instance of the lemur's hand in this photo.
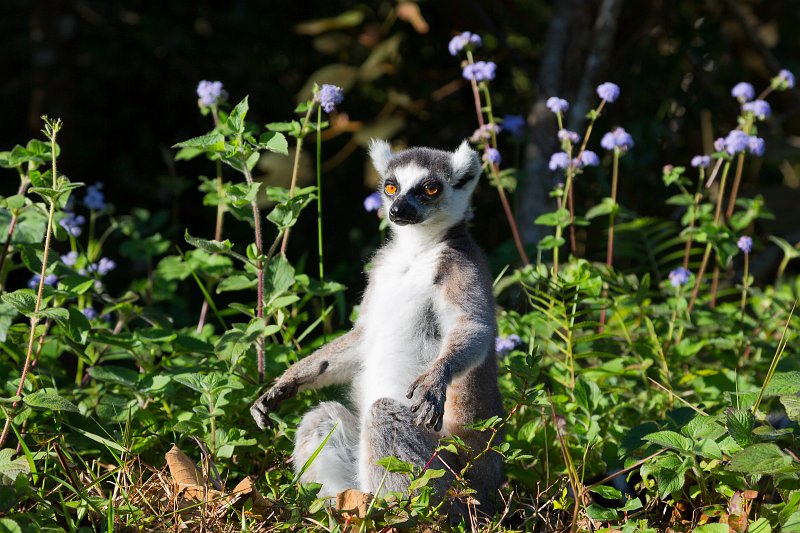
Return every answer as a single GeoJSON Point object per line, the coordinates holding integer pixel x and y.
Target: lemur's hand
{"type": "Point", "coordinates": [270, 400]}
{"type": "Point", "coordinates": [431, 389]}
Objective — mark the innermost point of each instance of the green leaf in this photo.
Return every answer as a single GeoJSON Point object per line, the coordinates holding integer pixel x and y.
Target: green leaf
{"type": "Point", "coordinates": [605, 207]}
{"type": "Point", "coordinates": [740, 425]}
{"type": "Point", "coordinates": [11, 468]}
{"type": "Point", "coordinates": [425, 478]}
{"type": "Point", "coordinates": [236, 118]}
{"type": "Point", "coordinates": [7, 315]}
{"type": "Point", "coordinates": [783, 383]}
{"type": "Point", "coordinates": [712, 528]}
{"type": "Point", "coordinates": [75, 284]}
{"type": "Point", "coordinates": [278, 277]}
{"type": "Point", "coordinates": [49, 400]}
{"type": "Point", "coordinates": [210, 246]}
{"type": "Point", "coordinates": [77, 326]}
{"type": "Point", "coordinates": [762, 458]}
{"type": "Point", "coordinates": [115, 374]}
{"type": "Point", "coordinates": [210, 142]}
{"type": "Point", "coordinates": [30, 226]}
{"type": "Point", "coordinates": [788, 250]}
{"type": "Point", "coordinates": [23, 300]}
{"type": "Point", "coordinates": [173, 268]}
{"type": "Point", "coordinates": [274, 142]}
{"type": "Point", "coordinates": [395, 465]}
{"type": "Point", "coordinates": [703, 427]}
{"type": "Point", "coordinates": [559, 217]}
{"type": "Point", "coordinates": [790, 403]}
{"type": "Point", "coordinates": [760, 526]}
{"type": "Point", "coordinates": [549, 242]}
{"type": "Point", "coordinates": [671, 440]}
{"type": "Point", "coordinates": [237, 282]}
{"type": "Point", "coordinates": [609, 493]}
{"type": "Point", "coordinates": [7, 525]}
{"type": "Point", "coordinates": [596, 512]}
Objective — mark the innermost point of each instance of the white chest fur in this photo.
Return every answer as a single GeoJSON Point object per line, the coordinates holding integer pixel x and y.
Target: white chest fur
{"type": "Point", "coordinates": [401, 333]}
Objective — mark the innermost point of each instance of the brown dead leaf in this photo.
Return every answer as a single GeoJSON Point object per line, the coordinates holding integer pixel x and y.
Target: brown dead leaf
{"type": "Point", "coordinates": [737, 512]}
{"type": "Point", "coordinates": [187, 477]}
{"type": "Point", "coordinates": [409, 11]}
{"type": "Point", "coordinates": [353, 502]}
{"type": "Point", "coordinates": [246, 489]}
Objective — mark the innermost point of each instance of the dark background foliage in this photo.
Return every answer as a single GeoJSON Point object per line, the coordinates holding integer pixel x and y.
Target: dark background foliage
{"type": "Point", "coordinates": [123, 75]}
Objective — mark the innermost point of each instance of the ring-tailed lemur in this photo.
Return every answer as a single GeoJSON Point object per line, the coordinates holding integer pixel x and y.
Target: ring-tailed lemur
{"type": "Point", "coordinates": [421, 355]}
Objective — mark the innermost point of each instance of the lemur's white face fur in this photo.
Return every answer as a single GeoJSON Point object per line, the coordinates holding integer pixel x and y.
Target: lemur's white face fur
{"type": "Point", "coordinates": [426, 187]}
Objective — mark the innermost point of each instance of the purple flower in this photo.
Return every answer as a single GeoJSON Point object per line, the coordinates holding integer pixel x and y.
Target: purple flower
{"type": "Point", "coordinates": [557, 105]}
{"type": "Point", "coordinates": [744, 92]}
{"type": "Point", "coordinates": [745, 244]}
{"type": "Point", "coordinates": [89, 312]}
{"type": "Point", "coordinates": [485, 132]}
{"type": "Point", "coordinates": [567, 135]}
{"type": "Point", "coordinates": [589, 159]}
{"type": "Point", "coordinates": [701, 161]}
{"type": "Point", "coordinates": [619, 138]}
{"type": "Point", "coordinates": [73, 223]}
{"type": "Point", "coordinates": [95, 199]}
{"type": "Point", "coordinates": [493, 156]}
{"type": "Point", "coordinates": [49, 279]}
{"type": "Point", "coordinates": [210, 93]}
{"type": "Point", "coordinates": [755, 145]}
{"type": "Point", "coordinates": [759, 108]}
{"type": "Point", "coordinates": [70, 259]}
{"type": "Point", "coordinates": [103, 267]}
{"type": "Point", "coordinates": [480, 71]}
{"type": "Point", "coordinates": [679, 276]}
{"type": "Point", "coordinates": [514, 124]}
{"type": "Point", "coordinates": [463, 40]}
{"type": "Point", "coordinates": [503, 345]}
{"type": "Point", "coordinates": [736, 141]}
{"type": "Point", "coordinates": [608, 91]}
{"type": "Point", "coordinates": [329, 96]}
{"type": "Point", "coordinates": [785, 79]}
{"type": "Point", "coordinates": [719, 144]}
{"type": "Point", "coordinates": [373, 202]}
{"type": "Point", "coordinates": [559, 160]}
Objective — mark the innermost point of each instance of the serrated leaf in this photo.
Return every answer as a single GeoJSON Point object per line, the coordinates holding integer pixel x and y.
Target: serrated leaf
{"type": "Point", "coordinates": [49, 400]}
{"type": "Point", "coordinates": [7, 315]}
{"type": "Point", "coordinates": [59, 314]}
{"type": "Point", "coordinates": [75, 284]}
{"type": "Point", "coordinates": [23, 300]}
{"type": "Point", "coordinates": [274, 142]}
{"type": "Point", "coordinates": [11, 468]}
{"type": "Point", "coordinates": [712, 528]}
{"type": "Point", "coordinates": [213, 142]}
{"type": "Point", "coordinates": [671, 440]}
{"type": "Point", "coordinates": [609, 493]}
{"type": "Point", "coordinates": [77, 326]}
{"type": "Point", "coordinates": [425, 478]}
{"type": "Point", "coordinates": [559, 217]}
{"type": "Point", "coordinates": [792, 406]}
{"type": "Point", "coordinates": [605, 207]}
{"type": "Point", "coordinates": [549, 242]}
{"type": "Point", "coordinates": [236, 282]}
{"type": "Point", "coordinates": [703, 427]}
{"type": "Point", "coordinates": [783, 383]}
{"type": "Point", "coordinates": [236, 118]}
{"type": "Point", "coordinates": [740, 425]}
{"type": "Point", "coordinates": [210, 246]}
{"type": "Point", "coordinates": [762, 458]}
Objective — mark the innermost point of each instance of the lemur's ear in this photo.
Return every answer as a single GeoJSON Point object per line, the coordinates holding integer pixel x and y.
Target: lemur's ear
{"type": "Point", "coordinates": [380, 152]}
{"type": "Point", "coordinates": [466, 164]}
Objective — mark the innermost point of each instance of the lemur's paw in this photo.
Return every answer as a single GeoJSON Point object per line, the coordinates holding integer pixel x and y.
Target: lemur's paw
{"type": "Point", "coordinates": [430, 392]}
{"type": "Point", "coordinates": [269, 401]}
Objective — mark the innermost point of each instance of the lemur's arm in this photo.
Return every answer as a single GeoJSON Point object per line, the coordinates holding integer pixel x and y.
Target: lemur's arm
{"type": "Point", "coordinates": [336, 362]}
{"type": "Point", "coordinates": [467, 310]}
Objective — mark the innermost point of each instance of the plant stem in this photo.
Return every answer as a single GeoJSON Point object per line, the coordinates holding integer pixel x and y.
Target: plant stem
{"type": "Point", "coordinates": [735, 189]}
{"type": "Point", "coordinates": [296, 168]}
{"type": "Point", "coordinates": [319, 195]}
{"type": "Point", "coordinates": [612, 215]}
{"type": "Point", "coordinates": [52, 129]}
{"type": "Point", "coordinates": [217, 237]}
{"type": "Point", "coordinates": [23, 185]}
{"type": "Point", "coordinates": [503, 199]}
{"type": "Point", "coordinates": [259, 265]}
{"type": "Point", "coordinates": [745, 280]}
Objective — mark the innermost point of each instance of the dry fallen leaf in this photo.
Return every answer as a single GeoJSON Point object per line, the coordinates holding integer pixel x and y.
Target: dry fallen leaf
{"type": "Point", "coordinates": [353, 502]}
{"type": "Point", "coordinates": [409, 11]}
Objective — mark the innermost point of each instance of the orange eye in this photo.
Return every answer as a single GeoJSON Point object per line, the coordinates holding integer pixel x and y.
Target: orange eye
{"type": "Point", "coordinates": [431, 190]}
{"type": "Point", "coordinates": [390, 189]}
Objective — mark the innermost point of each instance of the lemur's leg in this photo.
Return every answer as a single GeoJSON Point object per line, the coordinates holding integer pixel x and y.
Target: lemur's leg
{"type": "Point", "coordinates": [336, 362]}
{"type": "Point", "coordinates": [389, 430]}
{"type": "Point", "coordinates": [335, 465]}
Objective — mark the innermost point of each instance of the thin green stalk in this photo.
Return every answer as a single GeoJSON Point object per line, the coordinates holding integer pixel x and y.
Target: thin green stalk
{"type": "Point", "coordinates": [296, 168]}
{"type": "Point", "coordinates": [612, 215]}
{"type": "Point", "coordinates": [775, 359]}
{"type": "Point", "coordinates": [745, 283]}
{"type": "Point", "coordinates": [319, 195]}
{"type": "Point", "coordinates": [52, 127]}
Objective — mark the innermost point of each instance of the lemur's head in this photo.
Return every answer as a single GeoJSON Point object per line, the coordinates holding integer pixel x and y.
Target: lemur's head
{"type": "Point", "coordinates": [425, 186]}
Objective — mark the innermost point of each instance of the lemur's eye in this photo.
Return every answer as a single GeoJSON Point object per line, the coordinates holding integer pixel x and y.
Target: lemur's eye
{"type": "Point", "coordinates": [390, 189]}
{"type": "Point", "coordinates": [431, 190]}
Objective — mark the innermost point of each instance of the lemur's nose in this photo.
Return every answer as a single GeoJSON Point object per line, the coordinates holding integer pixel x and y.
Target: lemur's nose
{"type": "Point", "coordinates": [402, 212]}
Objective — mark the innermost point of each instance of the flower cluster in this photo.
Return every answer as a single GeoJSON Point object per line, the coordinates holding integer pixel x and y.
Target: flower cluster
{"type": "Point", "coordinates": [503, 345]}
{"type": "Point", "coordinates": [485, 132]}
{"type": "Point", "coordinates": [373, 202]}
{"type": "Point", "coordinates": [557, 105]}
{"type": "Point", "coordinates": [738, 141]}
{"type": "Point", "coordinates": [559, 160]}
{"type": "Point", "coordinates": [49, 279]}
{"type": "Point", "coordinates": [783, 81]}
{"type": "Point", "coordinates": [745, 244]}
{"type": "Point", "coordinates": [210, 93]}
{"type": "Point", "coordinates": [480, 71]}
{"type": "Point", "coordinates": [464, 40]}
{"type": "Point", "coordinates": [568, 136]}
{"type": "Point", "coordinates": [701, 161]}
{"type": "Point", "coordinates": [329, 96]}
{"type": "Point", "coordinates": [759, 108]}
{"type": "Point", "coordinates": [95, 199]}
{"type": "Point", "coordinates": [679, 276]}
{"type": "Point", "coordinates": [493, 156]}
{"type": "Point", "coordinates": [743, 91]}
{"type": "Point", "coordinates": [619, 138]}
{"type": "Point", "coordinates": [73, 224]}
{"type": "Point", "coordinates": [587, 159]}
{"type": "Point", "coordinates": [608, 91]}
{"type": "Point", "coordinates": [69, 259]}
{"type": "Point", "coordinates": [514, 124]}
{"type": "Point", "coordinates": [103, 267]}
